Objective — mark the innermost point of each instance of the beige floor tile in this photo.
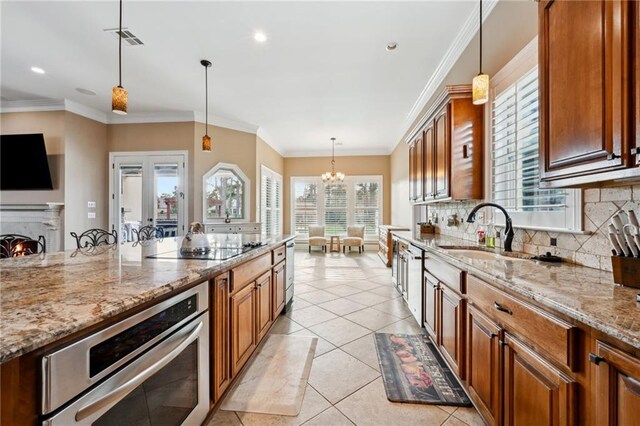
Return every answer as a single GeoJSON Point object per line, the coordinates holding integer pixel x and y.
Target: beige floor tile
{"type": "Point", "coordinates": [387, 291]}
{"type": "Point", "coordinates": [285, 325]}
{"type": "Point", "coordinates": [323, 284]}
{"type": "Point", "coordinates": [371, 318]}
{"type": "Point", "coordinates": [344, 290]}
{"type": "Point", "coordinates": [364, 285]}
{"type": "Point", "coordinates": [318, 296]}
{"type": "Point", "coordinates": [322, 347]}
{"type": "Point", "coordinates": [453, 421]}
{"type": "Point", "coordinates": [395, 307]}
{"type": "Point", "coordinates": [337, 374]}
{"type": "Point", "coordinates": [367, 298]}
{"type": "Point", "coordinates": [405, 326]}
{"type": "Point", "coordinates": [224, 418]}
{"type": "Point", "coordinates": [312, 405]}
{"type": "Point", "coordinates": [370, 406]}
{"type": "Point", "coordinates": [364, 349]}
{"type": "Point", "coordinates": [469, 415]}
{"type": "Point", "coordinates": [304, 288]}
{"type": "Point", "coordinates": [298, 303]}
{"type": "Point", "coordinates": [342, 306]}
{"type": "Point", "coordinates": [311, 315]}
{"type": "Point", "coordinates": [329, 417]}
{"type": "Point", "coordinates": [339, 331]}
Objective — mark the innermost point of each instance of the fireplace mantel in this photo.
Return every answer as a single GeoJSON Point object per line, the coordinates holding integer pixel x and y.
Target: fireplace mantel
{"type": "Point", "coordinates": [34, 220]}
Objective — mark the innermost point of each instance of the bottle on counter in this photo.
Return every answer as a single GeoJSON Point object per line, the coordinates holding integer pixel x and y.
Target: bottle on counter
{"type": "Point", "coordinates": [481, 236]}
{"type": "Point", "coordinates": [490, 238]}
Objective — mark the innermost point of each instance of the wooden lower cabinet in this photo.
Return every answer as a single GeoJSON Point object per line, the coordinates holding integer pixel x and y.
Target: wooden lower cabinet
{"type": "Point", "coordinates": [452, 307]}
{"type": "Point", "coordinates": [263, 305]}
{"type": "Point", "coordinates": [617, 382]}
{"type": "Point", "coordinates": [279, 289]}
{"type": "Point", "coordinates": [243, 327]}
{"type": "Point", "coordinates": [220, 339]}
{"type": "Point", "coordinates": [483, 365]}
{"type": "Point", "coordinates": [535, 392]}
{"type": "Point", "coordinates": [430, 306]}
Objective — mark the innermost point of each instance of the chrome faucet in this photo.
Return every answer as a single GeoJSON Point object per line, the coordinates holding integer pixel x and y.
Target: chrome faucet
{"type": "Point", "coordinates": [508, 231]}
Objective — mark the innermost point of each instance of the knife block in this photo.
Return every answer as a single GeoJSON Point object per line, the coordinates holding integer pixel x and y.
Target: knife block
{"type": "Point", "coordinates": [626, 271]}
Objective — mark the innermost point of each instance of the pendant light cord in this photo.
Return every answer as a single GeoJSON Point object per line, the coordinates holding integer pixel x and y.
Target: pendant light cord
{"type": "Point", "coordinates": [120, 49]}
{"type": "Point", "coordinates": [480, 37]}
{"type": "Point", "coordinates": [206, 99]}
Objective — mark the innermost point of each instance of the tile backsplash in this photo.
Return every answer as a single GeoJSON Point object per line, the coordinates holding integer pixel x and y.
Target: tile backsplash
{"type": "Point", "coordinates": [592, 249]}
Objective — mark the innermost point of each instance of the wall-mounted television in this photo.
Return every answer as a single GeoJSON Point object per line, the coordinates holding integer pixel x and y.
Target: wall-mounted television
{"type": "Point", "coordinates": [23, 163]}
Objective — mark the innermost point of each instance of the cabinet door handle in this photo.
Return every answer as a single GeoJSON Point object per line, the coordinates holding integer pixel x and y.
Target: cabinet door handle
{"type": "Point", "coordinates": [612, 156]}
{"type": "Point", "coordinates": [595, 359]}
{"type": "Point", "coordinates": [502, 308]}
{"type": "Point", "coordinates": [465, 151]}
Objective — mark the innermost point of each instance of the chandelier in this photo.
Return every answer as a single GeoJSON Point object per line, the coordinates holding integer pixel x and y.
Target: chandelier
{"type": "Point", "coordinates": [333, 176]}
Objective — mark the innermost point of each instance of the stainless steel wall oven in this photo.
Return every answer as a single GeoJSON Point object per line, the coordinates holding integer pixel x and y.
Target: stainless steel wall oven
{"type": "Point", "coordinates": [149, 369]}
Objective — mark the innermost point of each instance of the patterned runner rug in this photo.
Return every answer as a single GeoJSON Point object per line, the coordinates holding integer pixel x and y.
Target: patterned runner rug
{"type": "Point", "coordinates": [413, 371]}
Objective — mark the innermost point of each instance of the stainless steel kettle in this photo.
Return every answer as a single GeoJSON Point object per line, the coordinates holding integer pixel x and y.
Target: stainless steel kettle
{"type": "Point", "coordinates": [196, 240]}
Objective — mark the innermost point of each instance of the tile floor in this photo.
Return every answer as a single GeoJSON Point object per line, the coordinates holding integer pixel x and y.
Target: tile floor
{"type": "Point", "coordinates": [343, 300]}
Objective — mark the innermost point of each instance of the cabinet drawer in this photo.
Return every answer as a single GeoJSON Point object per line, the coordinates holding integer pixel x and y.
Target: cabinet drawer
{"type": "Point", "coordinates": [247, 272]}
{"type": "Point", "coordinates": [450, 276]}
{"type": "Point", "coordinates": [554, 336]}
{"type": "Point", "coordinates": [278, 255]}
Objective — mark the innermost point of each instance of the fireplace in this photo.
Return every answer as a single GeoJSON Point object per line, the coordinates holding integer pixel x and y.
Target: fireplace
{"type": "Point", "coordinates": [34, 220]}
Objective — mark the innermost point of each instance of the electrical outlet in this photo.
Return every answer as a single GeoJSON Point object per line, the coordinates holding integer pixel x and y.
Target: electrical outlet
{"type": "Point", "coordinates": [91, 204]}
{"type": "Point", "coordinates": [91, 215]}
{"type": "Point", "coordinates": [553, 242]}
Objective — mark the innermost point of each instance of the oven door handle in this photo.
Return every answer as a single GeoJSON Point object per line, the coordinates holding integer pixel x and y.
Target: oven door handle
{"type": "Point", "coordinates": [128, 386]}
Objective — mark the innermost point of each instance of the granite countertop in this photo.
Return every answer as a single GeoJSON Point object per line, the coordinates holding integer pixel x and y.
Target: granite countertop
{"type": "Point", "coordinates": [44, 298]}
{"type": "Point", "coordinates": [587, 295]}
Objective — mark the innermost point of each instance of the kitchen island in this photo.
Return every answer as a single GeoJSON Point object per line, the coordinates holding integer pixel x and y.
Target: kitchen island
{"type": "Point", "coordinates": [50, 301]}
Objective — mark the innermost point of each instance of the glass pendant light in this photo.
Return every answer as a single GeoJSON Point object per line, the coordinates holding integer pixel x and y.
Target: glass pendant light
{"type": "Point", "coordinates": [206, 139]}
{"type": "Point", "coordinates": [119, 96]}
{"type": "Point", "coordinates": [480, 85]}
{"type": "Point", "coordinates": [333, 176]}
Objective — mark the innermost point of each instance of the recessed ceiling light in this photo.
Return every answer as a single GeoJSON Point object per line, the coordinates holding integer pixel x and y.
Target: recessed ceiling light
{"type": "Point", "coordinates": [85, 91]}
{"type": "Point", "coordinates": [260, 37]}
{"type": "Point", "coordinates": [391, 46]}
{"type": "Point", "coordinates": [37, 70]}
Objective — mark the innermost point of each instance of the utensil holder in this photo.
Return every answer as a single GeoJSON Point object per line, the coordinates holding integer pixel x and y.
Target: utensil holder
{"type": "Point", "coordinates": [626, 271]}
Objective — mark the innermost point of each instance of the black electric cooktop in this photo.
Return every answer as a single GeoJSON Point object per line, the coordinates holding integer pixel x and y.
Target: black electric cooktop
{"type": "Point", "coordinates": [215, 253]}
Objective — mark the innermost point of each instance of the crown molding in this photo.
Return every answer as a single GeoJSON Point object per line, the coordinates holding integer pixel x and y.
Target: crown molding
{"type": "Point", "coordinates": [227, 123]}
{"type": "Point", "coordinates": [460, 43]}
{"type": "Point", "coordinates": [34, 105]}
{"type": "Point", "coordinates": [85, 111]}
{"type": "Point", "coordinates": [262, 134]}
{"type": "Point", "coordinates": [153, 117]}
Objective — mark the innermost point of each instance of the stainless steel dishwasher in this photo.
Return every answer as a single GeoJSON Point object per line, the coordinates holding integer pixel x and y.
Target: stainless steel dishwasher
{"type": "Point", "coordinates": [289, 274]}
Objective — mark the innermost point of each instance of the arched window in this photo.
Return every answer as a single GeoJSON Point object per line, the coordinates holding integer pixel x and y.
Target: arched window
{"type": "Point", "coordinates": [225, 193]}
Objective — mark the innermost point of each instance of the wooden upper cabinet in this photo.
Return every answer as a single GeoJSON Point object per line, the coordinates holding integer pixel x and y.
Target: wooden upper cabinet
{"type": "Point", "coordinates": [617, 382]}
{"type": "Point", "coordinates": [585, 89]}
{"type": "Point", "coordinates": [419, 144]}
{"type": "Point", "coordinates": [412, 173]}
{"type": "Point", "coordinates": [428, 161]}
{"type": "Point", "coordinates": [442, 153]}
{"type": "Point", "coordinates": [535, 392]}
{"type": "Point", "coordinates": [446, 157]}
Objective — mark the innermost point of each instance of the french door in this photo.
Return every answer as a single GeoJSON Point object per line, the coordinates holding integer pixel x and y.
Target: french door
{"type": "Point", "coordinates": [148, 188]}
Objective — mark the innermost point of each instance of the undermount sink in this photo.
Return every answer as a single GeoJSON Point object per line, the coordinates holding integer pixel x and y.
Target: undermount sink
{"type": "Point", "coordinates": [482, 254]}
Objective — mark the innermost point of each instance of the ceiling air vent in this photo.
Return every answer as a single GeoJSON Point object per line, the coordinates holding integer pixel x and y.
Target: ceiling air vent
{"type": "Point", "coordinates": [127, 36]}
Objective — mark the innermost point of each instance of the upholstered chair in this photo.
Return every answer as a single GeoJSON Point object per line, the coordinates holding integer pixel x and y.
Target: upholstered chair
{"type": "Point", "coordinates": [354, 238]}
{"type": "Point", "coordinates": [317, 238]}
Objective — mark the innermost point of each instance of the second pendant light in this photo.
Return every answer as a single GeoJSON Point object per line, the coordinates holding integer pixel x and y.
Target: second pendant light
{"type": "Point", "coordinates": [206, 139]}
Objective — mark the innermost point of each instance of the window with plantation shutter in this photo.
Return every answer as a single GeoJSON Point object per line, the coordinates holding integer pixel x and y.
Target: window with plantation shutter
{"type": "Point", "coordinates": [355, 201]}
{"type": "Point", "coordinates": [514, 155]}
{"type": "Point", "coordinates": [270, 202]}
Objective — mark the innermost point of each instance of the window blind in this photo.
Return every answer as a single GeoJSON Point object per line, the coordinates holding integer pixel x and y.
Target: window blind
{"type": "Point", "coordinates": [305, 206]}
{"type": "Point", "coordinates": [270, 198]}
{"type": "Point", "coordinates": [335, 212]}
{"type": "Point", "coordinates": [515, 141]}
{"type": "Point", "coordinates": [367, 206]}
